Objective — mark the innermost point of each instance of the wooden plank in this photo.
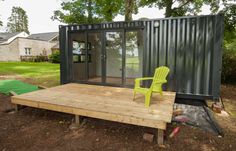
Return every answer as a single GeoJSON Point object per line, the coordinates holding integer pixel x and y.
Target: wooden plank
{"type": "Point", "coordinates": [109, 103]}
{"type": "Point", "coordinates": [94, 114]}
{"type": "Point", "coordinates": [139, 111]}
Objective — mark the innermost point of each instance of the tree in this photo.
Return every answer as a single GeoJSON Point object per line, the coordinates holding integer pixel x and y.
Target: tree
{"type": "Point", "coordinates": [87, 11]}
{"type": "Point", "coordinates": [181, 7]}
{"type": "Point", "coordinates": [94, 11]}
{"type": "Point", "coordinates": [18, 21]}
{"type": "Point", "coordinates": [108, 9]}
{"type": "Point", "coordinates": [76, 11]}
{"type": "Point", "coordinates": [229, 13]}
{"type": "Point", "coordinates": [1, 23]}
{"type": "Point", "coordinates": [131, 7]}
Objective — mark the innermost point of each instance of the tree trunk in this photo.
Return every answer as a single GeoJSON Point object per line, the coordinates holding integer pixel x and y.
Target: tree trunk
{"type": "Point", "coordinates": [169, 10]}
{"type": "Point", "coordinates": [109, 13]}
{"type": "Point", "coordinates": [129, 4]}
{"type": "Point", "coordinates": [90, 15]}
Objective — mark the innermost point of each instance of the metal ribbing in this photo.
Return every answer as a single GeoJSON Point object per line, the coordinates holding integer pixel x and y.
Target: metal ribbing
{"type": "Point", "coordinates": [190, 46]}
{"type": "Point", "coordinates": [185, 45]}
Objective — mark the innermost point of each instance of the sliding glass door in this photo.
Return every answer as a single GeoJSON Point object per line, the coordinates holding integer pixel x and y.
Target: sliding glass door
{"type": "Point", "coordinates": [113, 57]}
{"type": "Point", "coordinates": [95, 54]}
{"type": "Point", "coordinates": [107, 57]}
{"type": "Point", "coordinates": [133, 56]}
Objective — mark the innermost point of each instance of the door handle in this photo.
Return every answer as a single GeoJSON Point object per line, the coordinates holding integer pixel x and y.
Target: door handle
{"type": "Point", "coordinates": [103, 56]}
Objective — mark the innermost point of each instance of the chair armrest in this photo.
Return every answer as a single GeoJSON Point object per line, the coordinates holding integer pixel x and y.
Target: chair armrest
{"type": "Point", "coordinates": [145, 78]}
{"type": "Point", "coordinates": [137, 81]}
{"type": "Point", "coordinates": [160, 81]}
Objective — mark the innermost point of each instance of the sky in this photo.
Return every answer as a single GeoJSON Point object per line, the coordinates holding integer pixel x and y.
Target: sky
{"type": "Point", "coordinates": [40, 11]}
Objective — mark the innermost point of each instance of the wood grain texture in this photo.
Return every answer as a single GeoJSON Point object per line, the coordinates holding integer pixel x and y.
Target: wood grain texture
{"type": "Point", "coordinates": [103, 102]}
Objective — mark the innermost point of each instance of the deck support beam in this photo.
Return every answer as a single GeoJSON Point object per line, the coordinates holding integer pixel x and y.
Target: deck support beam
{"type": "Point", "coordinates": [16, 106]}
{"type": "Point", "coordinates": [77, 120]}
{"type": "Point", "coordinates": [160, 137]}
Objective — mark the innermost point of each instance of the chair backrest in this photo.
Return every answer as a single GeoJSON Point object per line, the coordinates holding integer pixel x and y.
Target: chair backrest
{"type": "Point", "coordinates": [160, 74]}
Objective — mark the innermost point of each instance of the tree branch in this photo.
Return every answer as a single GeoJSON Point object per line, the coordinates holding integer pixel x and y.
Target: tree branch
{"type": "Point", "coordinates": [188, 1]}
{"type": "Point", "coordinates": [174, 1]}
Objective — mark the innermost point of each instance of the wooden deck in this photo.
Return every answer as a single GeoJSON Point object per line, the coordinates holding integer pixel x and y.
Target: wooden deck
{"type": "Point", "coordinates": [103, 102]}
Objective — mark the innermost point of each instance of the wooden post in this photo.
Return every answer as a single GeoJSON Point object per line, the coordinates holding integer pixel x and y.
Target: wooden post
{"type": "Point", "coordinates": [160, 137]}
{"type": "Point", "coordinates": [16, 107]}
{"type": "Point", "coordinates": [42, 87]}
{"type": "Point", "coordinates": [12, 93]}
{"type": "Point", "coordinates": [77, 120]}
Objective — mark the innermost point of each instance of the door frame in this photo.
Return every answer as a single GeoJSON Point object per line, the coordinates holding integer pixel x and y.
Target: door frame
{"type": "Point", "coordinates": [122, 31]}
{"type": "Point", "coordinates": [103, 51]}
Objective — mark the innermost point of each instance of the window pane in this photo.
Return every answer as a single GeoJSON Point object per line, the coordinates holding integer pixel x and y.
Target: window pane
{"type": "Point", "coordinates": [134, 59]}
{"type": "Point", "coordinates": [94, 56]}
{"type": "Point", "coordinates": [114, 57]}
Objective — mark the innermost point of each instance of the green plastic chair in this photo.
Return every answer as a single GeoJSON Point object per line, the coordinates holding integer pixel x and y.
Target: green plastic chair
{"type": "Point", "coordinates": [158, 79]}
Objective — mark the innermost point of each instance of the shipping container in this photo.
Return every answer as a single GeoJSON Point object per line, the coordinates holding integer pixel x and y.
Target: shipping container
{"type": "Point", "coordinates": [116, 53]}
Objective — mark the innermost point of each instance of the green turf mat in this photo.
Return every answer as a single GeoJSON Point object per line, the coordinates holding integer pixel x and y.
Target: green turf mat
{"type": "Point", "coordinates": [17, 86]}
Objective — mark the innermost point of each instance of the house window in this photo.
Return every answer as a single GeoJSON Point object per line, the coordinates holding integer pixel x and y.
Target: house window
{"type": "Point", "coordinates": [27, 51]}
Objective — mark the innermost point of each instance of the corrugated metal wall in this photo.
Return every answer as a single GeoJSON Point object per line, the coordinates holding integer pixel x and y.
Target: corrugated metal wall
{"type": "Point", "coordinates": [189, 46]}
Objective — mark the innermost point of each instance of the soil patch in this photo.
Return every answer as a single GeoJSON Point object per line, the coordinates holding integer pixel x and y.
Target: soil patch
{"type": "Point", "coordinates": [37, 129]}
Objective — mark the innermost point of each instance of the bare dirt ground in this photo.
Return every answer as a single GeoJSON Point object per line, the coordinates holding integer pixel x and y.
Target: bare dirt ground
{"type": "Point", "coordinates": [36, 129]}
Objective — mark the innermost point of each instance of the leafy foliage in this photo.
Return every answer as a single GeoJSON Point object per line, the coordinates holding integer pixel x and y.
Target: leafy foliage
{"type": "Point", "coordinates": [181, 7]}
{"type": "Point", "coordinates": [107, 9]}
{"type": "Point", "coordinates": [229, 23]}
{"type": "Point", "coordinates": [90, 11]}
{"type": "Point", "coordinates": [55, 57]}
{"type": "Point", "coordinates": [131, 7]}
{"type": "Point", "coordinates": [229, 63]}
{"type": "Point", "coordinates": [229, 54]}
{"type": "Point", "coordinates": [1, 23]}
{"type": "Point", "coordinates": [18, 21]}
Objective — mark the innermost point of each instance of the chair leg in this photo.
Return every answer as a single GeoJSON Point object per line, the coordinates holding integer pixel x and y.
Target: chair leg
{"type": "Point", "coordinates": [147, 99]}
{"type": "Point", "coordinates": [161, 92]}
{"type": "Point", "coordinates": [134, 95]}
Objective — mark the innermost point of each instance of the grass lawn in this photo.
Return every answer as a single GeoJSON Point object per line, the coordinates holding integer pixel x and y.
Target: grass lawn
{"type": "Point", "coordinates": [39, 73]}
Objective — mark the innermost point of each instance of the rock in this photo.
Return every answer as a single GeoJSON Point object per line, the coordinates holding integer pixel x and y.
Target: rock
{"type": "Point", "coordinates": [177, 112]}
{"type": "Point", "coordinates": [12, 112]}
{"type": "Point", "coordinates": [148, 137]}
{"type": "Point", "coordinates": [216, 107]}
{"type": "Point", "coordinates": [162, 146]}
{"type": "Point", "coordinates": [61, 122]}
{"type": "Point", "coordinates": [74, 126]}
{"type": "Point", "coordinates": [223, 114]}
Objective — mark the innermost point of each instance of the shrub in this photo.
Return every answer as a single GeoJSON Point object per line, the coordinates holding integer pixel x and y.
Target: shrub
{"type": "Point", "coordinates": [40, 58]}
{"type": "Point", "coordinates": [229, 63]}
{"type": "Point", "coordinates": [55, 57]}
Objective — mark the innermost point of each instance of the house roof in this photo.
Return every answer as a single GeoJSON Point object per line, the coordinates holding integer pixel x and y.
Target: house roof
{"type": "Point", "coordinates": [44, 36]}
{"type": "Point", "coordinates": [56, 46]}
{"type": "Point", "coordinates": [5, 36]}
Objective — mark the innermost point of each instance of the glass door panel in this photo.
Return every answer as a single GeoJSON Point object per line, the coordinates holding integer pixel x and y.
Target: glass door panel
{"type": "Point", "coordinates": [133, 56]}
{"type": "Point", "coordinates": [113, 57]}
{"type": "Point", "coordinates": [95, 54]}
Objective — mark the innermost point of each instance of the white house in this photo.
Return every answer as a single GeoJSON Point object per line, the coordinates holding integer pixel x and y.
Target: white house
{"type": "Point", "coordinates": [15, 46]}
